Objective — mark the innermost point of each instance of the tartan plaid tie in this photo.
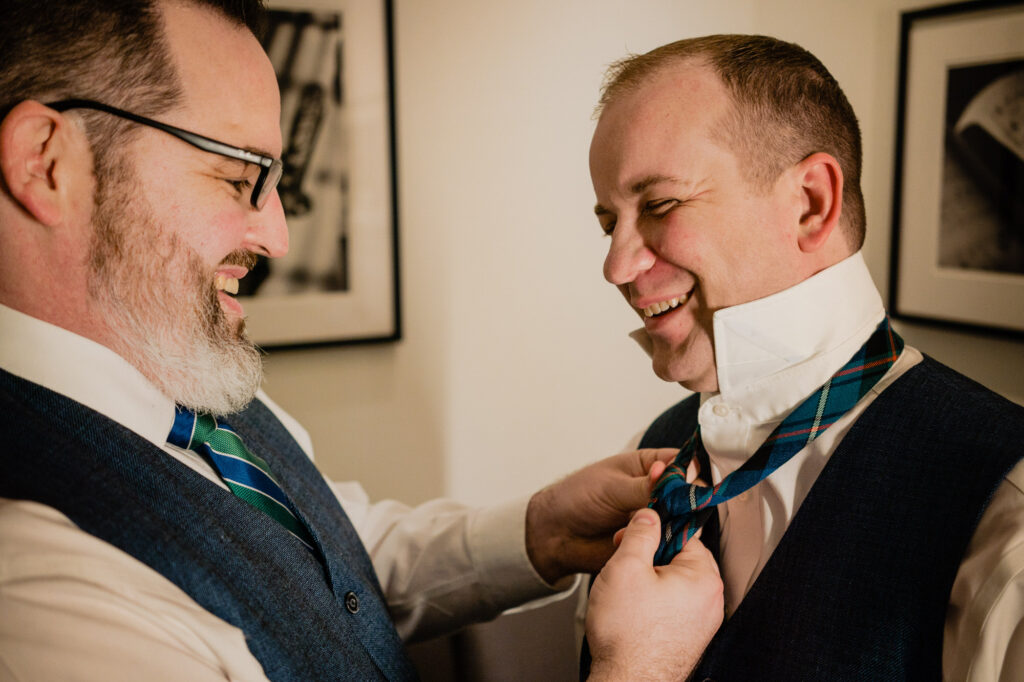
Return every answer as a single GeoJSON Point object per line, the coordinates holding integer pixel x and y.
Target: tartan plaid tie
{"type": "Point", "coordinates": [685, 507]}
{"type": "Point", "coordinates": [246, 474]}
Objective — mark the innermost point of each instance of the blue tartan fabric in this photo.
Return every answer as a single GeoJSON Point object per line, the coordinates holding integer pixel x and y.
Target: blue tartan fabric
{"type": "Point", "coordinates": [685, 507]}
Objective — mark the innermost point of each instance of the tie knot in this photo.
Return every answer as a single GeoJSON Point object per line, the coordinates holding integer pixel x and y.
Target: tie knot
{"type": "Point", "coordinates": [191, 430]}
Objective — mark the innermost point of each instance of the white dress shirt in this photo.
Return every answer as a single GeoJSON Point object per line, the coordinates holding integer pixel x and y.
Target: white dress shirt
{"type": "Point", "coordinates": [774, 352]}
{"type": "Point", "coordinates": [73, 607]}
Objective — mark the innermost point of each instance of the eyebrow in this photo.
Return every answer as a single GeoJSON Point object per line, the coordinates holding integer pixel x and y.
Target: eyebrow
{"type": "Point", "coordinates": [639, 187]}
{"type": "Point", "coordinates": [226, 164]}
{"type": "Point", "coordinates": [252, 150]}
{"type": "Point", "coordinates": [261, 152]}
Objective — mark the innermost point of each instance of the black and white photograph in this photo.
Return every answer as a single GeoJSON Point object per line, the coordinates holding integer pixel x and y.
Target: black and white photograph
{"type": "Point", "coordinates": [338, 282]}
{"type": "Point", "coordinates": [983, 169]}
{"type": "Point", "coordinates": [958, 195]}
{"type": "Point", "coordinates": [306, 49]}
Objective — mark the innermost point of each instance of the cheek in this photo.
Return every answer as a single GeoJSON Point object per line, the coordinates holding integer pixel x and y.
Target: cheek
{"type": "Point", "coordinates": [688, 247]}
{"type": "Point", "coordinates": [676, 240]}
{"type": "Point", "coordinates": [200, 218]}
{"type": "Point", "coordinates": [211, 235]}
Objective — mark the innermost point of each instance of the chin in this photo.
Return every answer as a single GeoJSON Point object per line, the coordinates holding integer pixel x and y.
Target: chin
{"type": "Point", "coordinates": [685, 369]}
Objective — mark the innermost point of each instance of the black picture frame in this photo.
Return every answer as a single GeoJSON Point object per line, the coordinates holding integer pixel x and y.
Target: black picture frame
{"type": "Point", "coordinates": [958, 187]}
{"type": "Point", "coordinates": [340, 282]}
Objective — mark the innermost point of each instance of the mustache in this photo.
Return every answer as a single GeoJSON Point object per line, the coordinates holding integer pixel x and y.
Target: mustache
{"type": "Point", "coordinates": [241, 257]}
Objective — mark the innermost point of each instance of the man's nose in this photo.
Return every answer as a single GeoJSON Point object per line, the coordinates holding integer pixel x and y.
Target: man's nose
{"type": "Point", "coordinates": [267, 230]}
{"type": "Point", "coordinates": [628, 256]}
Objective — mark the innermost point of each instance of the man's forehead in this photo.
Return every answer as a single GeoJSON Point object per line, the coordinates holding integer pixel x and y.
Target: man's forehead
{"type": "Point", "coordinates": [228, 81]}
{"type": "Point", "coordinates": [682, 85]}
{"type": "Point", "coordinates": [661, 132]}
{"type": "Point", "coordinates": [685, 98]}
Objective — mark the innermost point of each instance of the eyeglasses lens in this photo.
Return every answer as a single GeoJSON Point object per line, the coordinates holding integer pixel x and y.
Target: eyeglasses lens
{"type": "Point", "coordinates": [273, 177]}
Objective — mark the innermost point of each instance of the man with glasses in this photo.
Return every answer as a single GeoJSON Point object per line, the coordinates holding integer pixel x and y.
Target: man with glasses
{"type": "Point", "coordinates": [159, 516]}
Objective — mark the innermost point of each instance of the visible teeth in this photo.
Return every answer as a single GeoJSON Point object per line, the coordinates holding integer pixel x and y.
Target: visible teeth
{"type": "Point", "coordinates": [225, 283]}
{"type": "Point", "coordinates": [662, 306]}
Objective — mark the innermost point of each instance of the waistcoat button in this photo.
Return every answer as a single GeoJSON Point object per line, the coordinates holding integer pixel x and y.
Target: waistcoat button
{"type": "Point", "coordinates": [352, 602]}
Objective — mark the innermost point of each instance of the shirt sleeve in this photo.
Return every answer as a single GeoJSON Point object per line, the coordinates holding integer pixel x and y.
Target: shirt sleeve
{"type": "Point", "coordinates": [442, 564]}
{"type": "Point", "coordinates": [984, 632]}
{"type": "Point", "coordinates": [73, 607]}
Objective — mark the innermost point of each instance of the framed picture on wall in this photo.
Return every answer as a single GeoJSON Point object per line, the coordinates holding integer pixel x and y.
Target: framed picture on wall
{"type": "Point", "coordinates": [958, 199]}
{"type": "Point", "coordinates": [339, 282]}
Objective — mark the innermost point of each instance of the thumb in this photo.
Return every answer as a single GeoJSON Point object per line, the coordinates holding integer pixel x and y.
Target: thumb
{"type": "Point", "coordinates": [636, 492]}
{"type": "Point", "coordinates": [695, 556]}
{"type": "Point", "coordinates": [641, 537]}
{"type": "Point", "coordinates": [653, 462]}
{"type": "Point", "coordinates": [651, 456]}
{"type": "Point", "coordinates": [657, 469]}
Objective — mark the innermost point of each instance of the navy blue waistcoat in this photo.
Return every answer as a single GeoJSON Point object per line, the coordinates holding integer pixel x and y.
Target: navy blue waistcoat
{"type": "Point", "coordinates": [302, 619]}
{"type": "Point", "coordinates": [858, 587]}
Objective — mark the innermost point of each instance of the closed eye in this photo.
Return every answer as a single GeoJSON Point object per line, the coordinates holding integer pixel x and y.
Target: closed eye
{"type": "Point", "coordinates": [239, 186]}
{"type": "Point", "coordinates": [660, 207]}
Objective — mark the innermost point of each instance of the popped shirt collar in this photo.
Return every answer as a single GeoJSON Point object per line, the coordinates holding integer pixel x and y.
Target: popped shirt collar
{"type": "Point", "coordinates": [773, 352]}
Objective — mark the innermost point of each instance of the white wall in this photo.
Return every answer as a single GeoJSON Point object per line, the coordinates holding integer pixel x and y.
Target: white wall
{"type": "Point", "coordinates": [515, 367]}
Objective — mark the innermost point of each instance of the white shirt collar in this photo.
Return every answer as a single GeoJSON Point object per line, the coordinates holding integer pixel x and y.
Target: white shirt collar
{"type": "Point", "coordinates": [775, 351]}
{"type": "Point", "coordinates": [84, 371]}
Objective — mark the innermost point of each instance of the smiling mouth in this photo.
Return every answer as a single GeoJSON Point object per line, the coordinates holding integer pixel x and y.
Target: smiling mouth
{"type": "Point", "coordinates": [228, 285]}
{"type": "Point", "coordinates": [662, 307]}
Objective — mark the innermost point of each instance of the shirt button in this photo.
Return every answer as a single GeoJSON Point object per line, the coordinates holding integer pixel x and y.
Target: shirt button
{"type": "Point", "coordinates": [352, 602]}
{"type": "Point", "coordinates": [721, 410]}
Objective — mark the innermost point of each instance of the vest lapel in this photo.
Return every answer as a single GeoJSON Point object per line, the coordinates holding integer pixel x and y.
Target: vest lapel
{"type": "Point", "coordinates": [349, 568]}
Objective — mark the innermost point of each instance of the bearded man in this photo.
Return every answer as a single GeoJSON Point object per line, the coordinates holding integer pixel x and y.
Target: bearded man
{"type": "Point", "coordinates": [160, 517]}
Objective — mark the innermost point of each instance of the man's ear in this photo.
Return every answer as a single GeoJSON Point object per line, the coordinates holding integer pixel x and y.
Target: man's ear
{"type": "Point", "coordinates": [39, 152]}
{"type": "Point", "coordinates": [821, 187]}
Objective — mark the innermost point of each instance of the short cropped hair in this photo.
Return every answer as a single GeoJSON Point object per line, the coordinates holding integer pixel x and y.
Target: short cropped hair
{"type": "Point", "coordinates": [787, 106]}
{"type": "Point", "coordinates": [113, 51]}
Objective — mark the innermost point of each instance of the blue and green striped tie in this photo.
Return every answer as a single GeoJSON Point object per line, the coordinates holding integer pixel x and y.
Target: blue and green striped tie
{"type": "Point", "coordinates": [246, 474]}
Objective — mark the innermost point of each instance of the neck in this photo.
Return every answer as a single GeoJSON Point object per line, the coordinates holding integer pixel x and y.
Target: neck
{"type": "Point", "coordinates": [806, 323]}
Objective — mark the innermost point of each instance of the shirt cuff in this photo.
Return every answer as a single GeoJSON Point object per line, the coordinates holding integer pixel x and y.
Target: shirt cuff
{"type": "Point", "coordinates": [497, 544]}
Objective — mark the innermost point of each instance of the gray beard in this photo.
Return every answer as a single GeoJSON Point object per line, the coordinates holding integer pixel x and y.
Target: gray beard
{"type": "Point", "coordinates": [193, 358]}
{"type": "Point", "coordinates": [162, 306]}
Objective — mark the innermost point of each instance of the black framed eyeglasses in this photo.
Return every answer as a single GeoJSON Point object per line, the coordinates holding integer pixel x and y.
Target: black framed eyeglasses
{"type": "Point", "coordinates": [270, 168]}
